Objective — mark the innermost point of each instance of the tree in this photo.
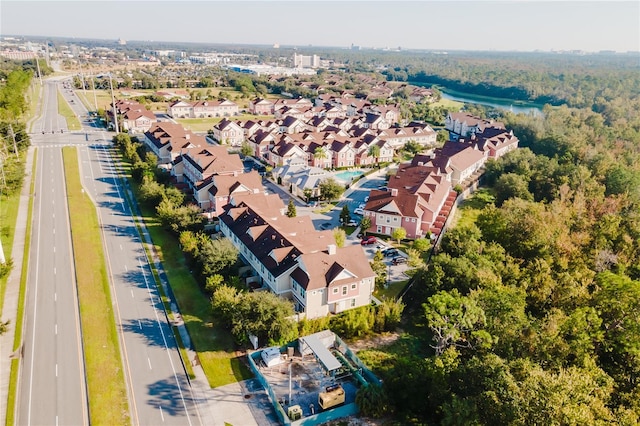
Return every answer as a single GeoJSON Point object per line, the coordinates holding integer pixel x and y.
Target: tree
{"type": "Point", "coordinates": [319, 154]}
{"type": "Point", "coordinates": [412, 147]}
{"type": "Point", "coordinates": [374, 151]}
{"type": "Point", "coordinates": [246, 149]}
{"type": "Point", "coordinates": [330, 189]}
{"type": "Point", "coordinates": [422, 244]}
{"type": "Point", "coordinates": [454, 320]}
{"type": "Point", "coordinates": [399, 234]}
{"type": "Point", "coordinates": [345, 215]}
{"type": "Point", "coordinates": [217, 256]}
{"type": "Point", "coordinates": [618, 301]}
{"type": "Point", "coordinates": [291, 208]}
{"type": "Point", "coordinates": [308, 192]}
{"type": "Point", "coordinates": [264, 315]}
{"type": "Point", "coordinates": [511, 185]}
{"type": "Point", "coordinates": [340, 236]}
{"type": "Point", "coordinates": [373, 401]}
{"type": "Point", "coordinates": [365, 224]}
{"type": "Point", "coordinates": [214, 282]}
{"type": "Point", "coordinates": [380, 268]}
{"type": "Point", "coordinates": [179, 218]}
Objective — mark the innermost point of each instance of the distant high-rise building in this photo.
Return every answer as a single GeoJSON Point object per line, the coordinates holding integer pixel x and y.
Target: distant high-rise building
{"type": "Point", "coordinates": [303, 61]}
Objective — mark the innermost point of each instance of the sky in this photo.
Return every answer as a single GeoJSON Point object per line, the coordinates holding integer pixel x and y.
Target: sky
{"type": "Point", "coordinates": [436, 25]}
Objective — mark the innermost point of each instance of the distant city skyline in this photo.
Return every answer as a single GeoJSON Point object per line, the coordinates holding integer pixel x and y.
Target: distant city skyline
{"type": "Point", "coordinates": [435, 25]}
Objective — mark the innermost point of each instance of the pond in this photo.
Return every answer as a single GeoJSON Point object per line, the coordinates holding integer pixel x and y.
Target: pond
{"type": "Point", "coordinates": [516, 107]}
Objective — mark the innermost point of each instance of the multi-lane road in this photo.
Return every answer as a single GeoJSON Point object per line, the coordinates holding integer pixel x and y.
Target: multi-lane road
{"type": "Point", "coordinates": [52, 384]}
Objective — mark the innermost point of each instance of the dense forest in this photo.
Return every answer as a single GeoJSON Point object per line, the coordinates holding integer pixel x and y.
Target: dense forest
{"type": "Point", "coordinates": [529, 313]}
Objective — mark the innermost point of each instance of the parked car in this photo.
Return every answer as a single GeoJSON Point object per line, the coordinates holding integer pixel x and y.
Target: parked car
{"type": "Point", "coordinates": [366, 198]}
{"type": "Point", "coordinates": [325, 225]}
{"type": "Point", "coordinates": [398, 260]}
{"type": "Point", "coordinates": [361, 206]}
{"type": "Point", "coordinates": [390, 252]}
{"type": "Point", "coordinates": [368, 240]}
{"type": "Point", "coordinates": [358, 211]}
{"type": "Point", "coordinates": [352, 223]}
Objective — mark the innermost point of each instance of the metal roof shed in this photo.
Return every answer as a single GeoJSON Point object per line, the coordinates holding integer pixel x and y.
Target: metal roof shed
{"type": "Point", "coordinates": [322, 354]}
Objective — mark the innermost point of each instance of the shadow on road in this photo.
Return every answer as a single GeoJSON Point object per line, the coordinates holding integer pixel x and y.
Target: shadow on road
{"type": "Point", "coordinates": [166, 394]}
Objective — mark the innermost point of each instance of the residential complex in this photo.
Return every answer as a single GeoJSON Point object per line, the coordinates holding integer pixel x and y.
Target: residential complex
{"type": "Point", "coordinates": [292, 259]}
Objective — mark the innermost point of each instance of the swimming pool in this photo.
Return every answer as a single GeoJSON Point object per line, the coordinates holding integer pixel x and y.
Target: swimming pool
{"type": "Point", "coordinates": [348, 176]}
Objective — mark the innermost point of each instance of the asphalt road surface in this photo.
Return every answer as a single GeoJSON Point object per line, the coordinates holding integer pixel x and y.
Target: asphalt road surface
{"type": "Point", "coordinates": [51, 386]}
{"type": "Point", "coordinates": [158, 387]}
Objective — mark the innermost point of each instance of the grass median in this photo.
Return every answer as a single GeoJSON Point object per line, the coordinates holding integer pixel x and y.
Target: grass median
{"type": "Point", "coordinates": [105, 379]}
{"type": "Point", "coordinates": [65, 110]}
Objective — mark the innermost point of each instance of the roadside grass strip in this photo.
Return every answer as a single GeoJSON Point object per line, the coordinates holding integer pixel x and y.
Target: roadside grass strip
{"type": "Point", "coordinates": [8, 216]}
{"type": "Point", "coordinates": [107, 392]}
{"type": "Point", "coordinates": [17, 337]}
{"type": "Point", "coordinates": [213, 344]}
{"type": "Point", "coordinates": [65, 110]}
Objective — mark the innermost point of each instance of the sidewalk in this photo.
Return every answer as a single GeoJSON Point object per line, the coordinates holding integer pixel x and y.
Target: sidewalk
{"type": "Point", "coordinates": [10, 307]}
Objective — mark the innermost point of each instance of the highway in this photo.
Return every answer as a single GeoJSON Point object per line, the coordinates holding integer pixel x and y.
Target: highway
{"type": "Point", "coordinates": [52, 388]}
{"type": "Point", "coordinates": [157, 385]}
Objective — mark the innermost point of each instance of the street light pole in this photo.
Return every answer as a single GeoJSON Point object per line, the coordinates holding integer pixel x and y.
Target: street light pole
{"type": "Point", "coordinates": [113, 104]}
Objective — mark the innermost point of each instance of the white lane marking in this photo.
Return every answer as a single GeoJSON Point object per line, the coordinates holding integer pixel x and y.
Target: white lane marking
{"type": "Point", "coordinates": [120, 247]}
{"type": "Point", "coordinates": [56, 370]}
{"type": "Point", "coordinates": [140, 324]}
{"type": "Point", "coordinates": [149, 361]}
{"type": "Point", "coordinates": [55, 297]}
{"type": "Point", "coordinates": [161, 415]}
{"type": "Point", "coordinates": [164, 340]}
{"type": "Point", "coordinates": [132, 296]}
{"type": "Point", "coordinates": [125, 268]}
{"type": "Point", "coordinates": [54, 270]}
{"type": "Point", "coordinates": [56, 327]}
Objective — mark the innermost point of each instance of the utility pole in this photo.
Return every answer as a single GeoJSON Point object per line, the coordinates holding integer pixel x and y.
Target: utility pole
{"type": "Point", "coordinates": [38, 68]}
{"type": "Point", "coordinates": [3, 260]}
{"type": "Point", "coordinates": [113, 104]}
{"type": "Point", "coordinates": [13, 137]}
{"type": "Point", "coordinates": [82, 77]}
{"type": "Point", "coordinates": [93, 87]}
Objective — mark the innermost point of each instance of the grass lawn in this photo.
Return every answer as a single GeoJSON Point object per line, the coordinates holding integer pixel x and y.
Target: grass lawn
{"type": "Point", "coordinates": [470, 208]}
{"type": "Point", "coordinates": [204, 124]}
{"type": "Point", "coordinates": [65, 110]}
{"type": "Point", "coordinates": [392, 291]}
{"type": "Point", "coordinates": [107, 393]}
{"type": "Point", "coordinates": [449, 104]}
{"type": "Point", "coordinates": [102, 97]}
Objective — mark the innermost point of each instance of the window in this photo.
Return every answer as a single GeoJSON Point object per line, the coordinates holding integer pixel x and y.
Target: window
{"type": "Point", "coordinates": [353, 303]}
{"type": "Point", "coordinates": [413, 219]}
{"type": "Point", "coordinates": [353, 286]}
{"type": "Point", "coordinates": [344, 290]}
{"type": "Point", "coordinates": [335, 290]}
